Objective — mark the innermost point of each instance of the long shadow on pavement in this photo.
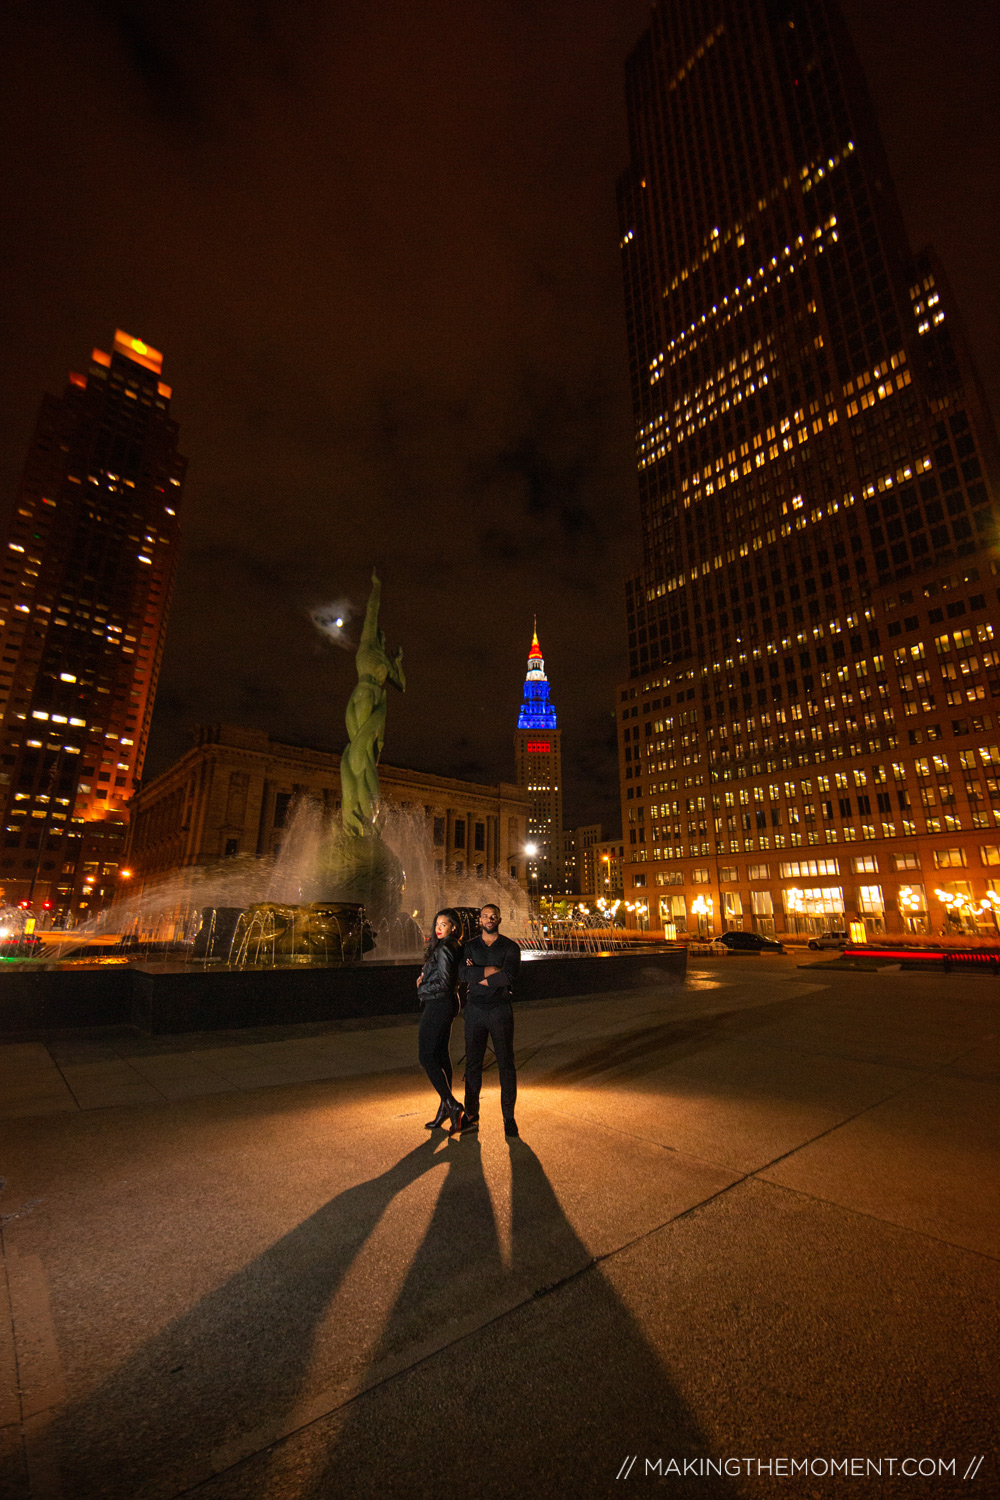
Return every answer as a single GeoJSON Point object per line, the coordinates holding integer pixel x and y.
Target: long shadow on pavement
{"type": "Point", "coordinates": [638, 1050]}
{"type": "Point", "coordinates": [508, 1364]}
{"type": "Point", "coordinates": [549, 1400]}
{"type": "Point", "coordinates": [229, 1366]}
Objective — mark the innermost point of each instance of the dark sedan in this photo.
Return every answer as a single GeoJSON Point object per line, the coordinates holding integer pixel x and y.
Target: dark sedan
{"type": "Point", "coordinates": [749, 942]}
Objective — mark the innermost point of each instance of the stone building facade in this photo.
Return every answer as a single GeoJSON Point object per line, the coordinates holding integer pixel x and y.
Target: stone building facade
{"type": "Point", "coordinates": [232, 793]}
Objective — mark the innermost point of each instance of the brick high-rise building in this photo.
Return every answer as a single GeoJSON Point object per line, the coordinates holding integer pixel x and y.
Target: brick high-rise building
{"type": "Point", "coordinates": [88, 567]}
{"type": "Point", "coordinates": [809, 730]}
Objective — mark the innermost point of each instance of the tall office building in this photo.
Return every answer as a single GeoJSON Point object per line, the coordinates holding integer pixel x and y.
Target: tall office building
{"type": "Point", "coordinates": [809, 730]}
{"type": "Point", "coordinates": [88, 568]}
{"type": "Point", "coordinates": [538, 770]}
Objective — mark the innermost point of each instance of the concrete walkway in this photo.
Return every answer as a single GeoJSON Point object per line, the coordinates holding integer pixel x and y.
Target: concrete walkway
{"type": "Point", "coordinates": [752, 1224]}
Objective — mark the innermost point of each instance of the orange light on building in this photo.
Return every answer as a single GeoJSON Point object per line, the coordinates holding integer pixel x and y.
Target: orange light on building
{"type": "Point", "coordinates": [134, 609]}
{"type": "Point", "coordinates": [136, 350]}
{"type": "Point", "coordinates": [166, 391]}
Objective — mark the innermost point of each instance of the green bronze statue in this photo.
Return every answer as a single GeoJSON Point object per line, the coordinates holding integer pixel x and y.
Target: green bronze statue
{"type": "Point", "coordinates": [366, 722]}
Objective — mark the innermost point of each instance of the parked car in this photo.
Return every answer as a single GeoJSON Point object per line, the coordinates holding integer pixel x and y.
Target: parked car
{"type": "Point", "coordinates": [829, 940]}
{"type": "Point", "coordinates": [749, 942]}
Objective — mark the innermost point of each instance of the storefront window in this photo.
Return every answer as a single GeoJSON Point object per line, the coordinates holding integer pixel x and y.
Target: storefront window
{"type": "Point", "coordinates": [959, 908]}
{"type": "Point", "coordinates": [872, 908]}
{"type": "Point", "coordinates": [814, 908]}
{"type": "Point", "coordinates": [913, 908]}
{"type": "Point", "coordinates": [762, 908]}
{"type": "Point", "coordinates": [673, 913]}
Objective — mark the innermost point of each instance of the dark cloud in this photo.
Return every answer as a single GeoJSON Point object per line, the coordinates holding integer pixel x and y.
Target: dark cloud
{"type": "Point", "coordinates": [377, 244]}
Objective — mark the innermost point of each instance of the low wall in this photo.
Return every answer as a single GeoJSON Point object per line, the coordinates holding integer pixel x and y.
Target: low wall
{"type": "Point", "coordinates": [176, 999]}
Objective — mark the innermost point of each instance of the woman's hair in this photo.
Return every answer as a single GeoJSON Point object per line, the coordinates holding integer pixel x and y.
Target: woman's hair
{"type": "Point", "coordinates": [456, 922]}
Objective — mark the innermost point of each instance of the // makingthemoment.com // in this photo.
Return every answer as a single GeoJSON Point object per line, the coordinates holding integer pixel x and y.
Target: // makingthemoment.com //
{"type": "Point", "coordinates": [635, 1467]}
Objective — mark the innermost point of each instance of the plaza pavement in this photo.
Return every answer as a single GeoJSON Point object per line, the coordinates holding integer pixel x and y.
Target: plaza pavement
{"type": "Point", "coordinates": [753, 1216]}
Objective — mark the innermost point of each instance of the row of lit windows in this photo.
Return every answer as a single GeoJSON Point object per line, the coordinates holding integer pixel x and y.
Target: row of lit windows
{"type": "Point", "coordinates": [758, 540]}
{"type": "Point", "coordinates": [906, 828]}
{"type": "Point", "coordinates": [861, 864]}
{"type": "Point", "coordinates": [717, 239]}
{"type": "Point", "coordinates": [836, 676]}
{"type": "Point", "coordinates": [745, 658]}
{"type": "Point", "coordinates": [696, 409]}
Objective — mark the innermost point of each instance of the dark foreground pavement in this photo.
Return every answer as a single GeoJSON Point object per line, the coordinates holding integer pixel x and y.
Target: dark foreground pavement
{"type": "Point", "coordinates": [752, 1217]}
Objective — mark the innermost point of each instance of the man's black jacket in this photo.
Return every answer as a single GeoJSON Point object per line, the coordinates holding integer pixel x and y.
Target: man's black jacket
{"type": "Point", "coordinates": [504, 955]}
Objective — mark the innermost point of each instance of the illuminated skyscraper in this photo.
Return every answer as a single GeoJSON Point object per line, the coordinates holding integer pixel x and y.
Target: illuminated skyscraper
{"type": "Point", "coordinates": [538, 769]}
{"type": "Point", "coordinates": [808, 733]}
{"type": "Point", "coordinates": [89, 565]}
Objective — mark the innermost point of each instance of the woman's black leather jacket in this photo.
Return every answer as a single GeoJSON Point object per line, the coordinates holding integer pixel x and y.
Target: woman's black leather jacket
{"type": "Point", "coordinates": [440, 973]}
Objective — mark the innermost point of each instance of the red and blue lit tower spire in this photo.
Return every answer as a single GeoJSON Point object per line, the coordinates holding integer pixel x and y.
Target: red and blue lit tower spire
{"type": "Point", "coordinates": [537, 711]}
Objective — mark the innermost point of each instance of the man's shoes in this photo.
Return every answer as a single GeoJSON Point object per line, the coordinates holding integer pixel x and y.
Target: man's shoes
{"type": "Point", "coordinates": [510, 1127]}
{"type": "Point", "coordinates": [439, 1118]}
{"type": "Point", "coordinates": [471, 1122]}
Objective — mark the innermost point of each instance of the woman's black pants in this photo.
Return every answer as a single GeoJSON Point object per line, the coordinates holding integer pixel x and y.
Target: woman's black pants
{"type": "Point", "coordinates": [433, 1039]}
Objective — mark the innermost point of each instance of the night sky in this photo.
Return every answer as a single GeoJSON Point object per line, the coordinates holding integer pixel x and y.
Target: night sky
{"type": "Point", "coordinates": [377, 244]}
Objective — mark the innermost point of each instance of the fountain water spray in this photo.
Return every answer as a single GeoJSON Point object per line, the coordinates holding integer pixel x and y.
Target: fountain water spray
{"type": "Point", "coordinates": [339, 886]}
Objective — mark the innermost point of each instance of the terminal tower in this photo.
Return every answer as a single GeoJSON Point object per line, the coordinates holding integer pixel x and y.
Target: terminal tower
{"type": "Point", "coordinates": [538, 769]}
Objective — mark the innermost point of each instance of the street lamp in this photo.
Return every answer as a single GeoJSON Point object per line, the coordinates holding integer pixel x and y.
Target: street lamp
{"type": "Point", "coordinates": [992, 905]}
{"type": "Point", "coordinates": [701, 907]}
{"type": "Point", "coordinates": [955, 903]}
{"type": "Point", "coordinates": [531, 850]}
{"type": "Point", "coordinates": [911, 905]}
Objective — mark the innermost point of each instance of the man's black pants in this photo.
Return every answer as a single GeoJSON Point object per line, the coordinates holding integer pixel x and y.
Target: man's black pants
{"type": "Point", "coordinates": [493, 1023]}
{"type": "Point", "coordinates": [432, 1043]}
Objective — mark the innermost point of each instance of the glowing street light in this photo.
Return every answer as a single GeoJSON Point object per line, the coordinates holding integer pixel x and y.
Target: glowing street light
{"type": "Point", "coordinates": [531, 850]}
{"type": "Point", "coordinates": [701, 907]}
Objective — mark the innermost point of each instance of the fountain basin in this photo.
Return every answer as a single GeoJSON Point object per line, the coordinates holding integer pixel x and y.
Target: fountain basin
{"type": "Point", "coordinates": [164, 998]}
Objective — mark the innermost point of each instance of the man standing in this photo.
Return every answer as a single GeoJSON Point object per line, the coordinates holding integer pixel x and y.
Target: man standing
{"type": "Point", "coordinates": [490, 967]}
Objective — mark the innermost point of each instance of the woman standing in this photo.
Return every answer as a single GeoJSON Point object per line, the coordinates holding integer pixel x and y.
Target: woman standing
{"type": "Point", "coordinates": [438, 985]}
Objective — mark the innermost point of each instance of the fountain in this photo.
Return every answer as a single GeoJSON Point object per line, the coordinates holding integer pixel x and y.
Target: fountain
{"type": "Point", "coordinates": [351, 878]}
{"type": "Point", "coordinates": [253, 941]}
{"type": "Point", "coordinates": [361, 882]}
{"type": "Point", "coordinates": [356, 879]}
{"type": "Point", "coordinates": [18, 938]}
